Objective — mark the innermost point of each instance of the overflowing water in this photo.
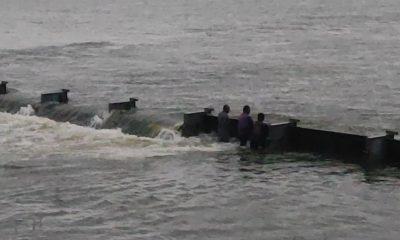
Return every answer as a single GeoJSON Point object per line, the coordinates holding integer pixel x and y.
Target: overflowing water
{"type": "Point", "coordinates": [94, 174]}
{"type": "Point", "coordinates": [96, 122]}
{"type": "Point", "coordinates": [29, 111]}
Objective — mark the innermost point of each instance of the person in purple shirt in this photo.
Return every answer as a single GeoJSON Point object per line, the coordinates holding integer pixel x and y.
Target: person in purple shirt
{"type": "Point", "coordinates": [245, 126]}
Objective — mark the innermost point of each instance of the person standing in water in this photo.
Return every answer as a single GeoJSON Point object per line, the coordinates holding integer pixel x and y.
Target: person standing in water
{"type": "Point", "coordinates": [260, 133]}
{"type": "Point", "coordinates": [223, 124]}
{"type": "Point", "coordinates": [245, 126]}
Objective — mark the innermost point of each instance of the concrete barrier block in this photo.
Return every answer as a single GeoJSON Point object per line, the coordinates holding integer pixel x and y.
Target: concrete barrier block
{"type": "Point", "coordinates": [200, 122]}
{"type": "Point", "coordinates": [369, 152]}
{"type": "Point", "coordinates": [3, 87]}
{"type": "Point", "coordinates": [123, 105]}
{"type": "Point", "coordinates": [333, 144]}
{"type": "Point", "coordinates": [375, 151]}
{"type": "Point", "coordinates": [393, 152]}
{"type": "Point", "coordinates": [279, 136]}
{"type": "Point", "coordinates": [382, 150]}
{"type": "Point", "coordinates": [193, 124]}
{"type": "Point", "coordinates": [209, 110]}
{"type": "Point", "coordinates": [294, 122]}
{"type": "Point", "coordinates": [59, 97]}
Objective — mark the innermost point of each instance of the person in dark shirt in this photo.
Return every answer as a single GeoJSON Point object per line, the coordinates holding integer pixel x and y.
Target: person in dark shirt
{"type": "Point", "coordinates": [245, 126]}
{"type": "Point", "coordinates": [223, 124]}
{"type": "Point", "coordinates": [260, 133]}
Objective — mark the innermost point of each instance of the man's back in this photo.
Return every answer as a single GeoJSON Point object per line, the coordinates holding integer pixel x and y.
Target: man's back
{"type": "Point", "coordinates": [245, 124]}
{"type": "Point", "coordinates": [223, 126]}
{"type": "Point", "coordinates": [261, 130]}
{"type": "Point", "coordinates": [260, 135]}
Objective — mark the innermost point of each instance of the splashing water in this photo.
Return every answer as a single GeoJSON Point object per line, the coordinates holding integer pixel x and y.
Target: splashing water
{"type": "Point", "coordinates": [168, 135]}
{"type": "Point", "coordinates": [26, 111]}
{"type": "Point", "coordinates": [96, 122]}
{"type": "Point", "coordinates": [29, 137]}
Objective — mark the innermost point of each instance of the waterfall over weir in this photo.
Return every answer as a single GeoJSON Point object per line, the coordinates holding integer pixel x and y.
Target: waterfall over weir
{"type": "Point", "coordinates": [130, 122]}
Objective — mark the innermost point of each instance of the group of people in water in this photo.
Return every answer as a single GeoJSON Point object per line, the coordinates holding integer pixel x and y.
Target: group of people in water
{"type": "Point", "coordinates": [248, 131]}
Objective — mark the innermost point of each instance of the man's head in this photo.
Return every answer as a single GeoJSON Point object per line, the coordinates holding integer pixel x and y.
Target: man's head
{"type": "Point", "coordinates": [226, 108]}
{"type": "Point", "coordinates": [261, 117]}
{"type": "Point", "coordinates": [246, 109]}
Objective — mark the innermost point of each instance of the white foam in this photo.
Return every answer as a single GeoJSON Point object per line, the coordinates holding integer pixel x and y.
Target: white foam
{"type": "Point", "coordinates": [96, 122]}
{"type": "Point", "coordinates": [30, 137]}
{"type": "Point", "coordinates": [26, 111]}
{"type": "Point", "coordinates": [168, 135]}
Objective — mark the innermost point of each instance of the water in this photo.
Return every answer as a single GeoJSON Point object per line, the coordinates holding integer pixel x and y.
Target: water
{"type": "Point", "coordinates": [333, 64]}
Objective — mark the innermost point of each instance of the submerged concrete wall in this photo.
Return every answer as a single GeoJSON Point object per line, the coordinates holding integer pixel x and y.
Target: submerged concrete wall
{"type": "Point", "coordinates": [373, 151]}
{"type": "Point", "coordinates": [369, 152]}
{"type": "Point", "coordinates": [194, 124]}
{"type": "Point", "coordinates": [279, 135]}
{"type": "Point", "coordinates": [340, 145]}
{"type": "Point", "coordinates": [203, 122]}
{"type": "Point", "coordinates": [212, 125]}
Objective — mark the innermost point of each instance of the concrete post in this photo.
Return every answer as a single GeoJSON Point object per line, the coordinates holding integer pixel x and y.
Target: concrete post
{"type": "Point", "coordinates": [280, 135]}
{"type": "Point", "coordinates": [64, 96]}
{"type": "Point", "coordinates": [60, 97]}
{"type": "Point", "coordinates": [133, 102]}
{"type": "Point", "coordinates": [208, 110]}
{"type": "Point", "coordinates": [3, 87]}
{"type": "Point", "coordinates": [193, 124]}
{"type": "Point", "coordinates": [376, 149]}
{"type": "Point", "coordinates": [294, 122]}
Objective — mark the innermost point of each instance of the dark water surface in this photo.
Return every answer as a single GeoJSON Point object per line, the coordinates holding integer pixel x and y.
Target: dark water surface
{"type": "Point", "coordinates": [196, 196]}
{"type": "Point", "coordinates": [333, 64]}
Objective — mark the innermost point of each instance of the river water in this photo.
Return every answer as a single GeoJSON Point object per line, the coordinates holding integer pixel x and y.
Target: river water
{"type": "Point", "coordinates": [333, 64]}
